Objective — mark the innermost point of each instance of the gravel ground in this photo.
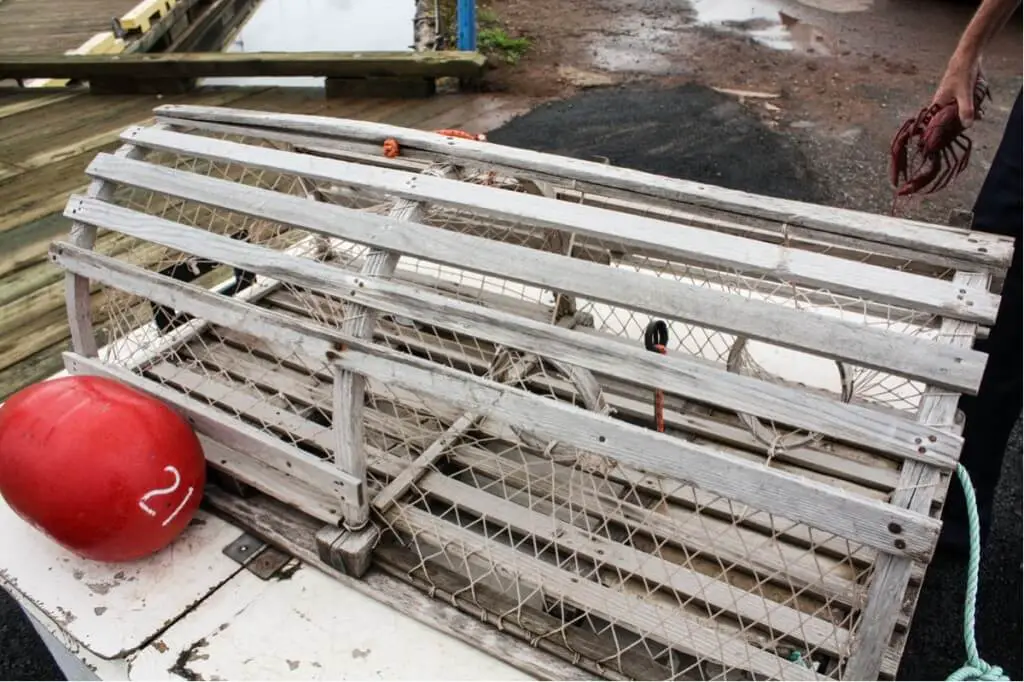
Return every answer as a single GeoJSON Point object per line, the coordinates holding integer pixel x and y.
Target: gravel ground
{"type": "Point", "coordinates": [697, 133]}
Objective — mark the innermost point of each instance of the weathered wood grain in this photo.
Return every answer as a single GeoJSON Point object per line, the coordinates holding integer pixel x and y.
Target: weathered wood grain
{"type": "Point", "coordinates": [869, 347]}
{"type": "Point", "coordinates": [348, 386]}
{"type": "Point", "coordinates": [667, 626]}
{"type": "Point", "coordinates": [918, 485]}
{"type": "Point", "coordinates": [683, 242]}
{"type": "Point", "coordinates": [820, 506]}
{"type": "Point", "coordinates": [889, 433]}
{"type": "Point", "coordinates": [779, 619]}
{"type": "Point", "coordinates": [988, 251]}
{"type": "Point", "coordinates": [830, 509]}
{"type": "Point", "coordinates": [433, 64]}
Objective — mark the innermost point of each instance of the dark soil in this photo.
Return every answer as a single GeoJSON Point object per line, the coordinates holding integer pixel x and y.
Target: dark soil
{"type": "Point", "coordinates": [686, 131]}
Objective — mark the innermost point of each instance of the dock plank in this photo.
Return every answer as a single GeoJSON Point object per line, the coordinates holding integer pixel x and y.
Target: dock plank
{"type": "Point", "coordinates": [29, 27]}
{"type": "Point", "coordinates": [432, 64]}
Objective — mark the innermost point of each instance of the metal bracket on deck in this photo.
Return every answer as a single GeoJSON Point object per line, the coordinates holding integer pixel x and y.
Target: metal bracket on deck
{"type": "Point", "coordinates": [256, 556]}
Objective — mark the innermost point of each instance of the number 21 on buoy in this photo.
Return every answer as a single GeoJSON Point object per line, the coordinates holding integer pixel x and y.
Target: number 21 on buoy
{"type": "Point", "coordinates": [158, 492]}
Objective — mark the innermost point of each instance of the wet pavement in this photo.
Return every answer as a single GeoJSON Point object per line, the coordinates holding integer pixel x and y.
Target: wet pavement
{"type": "Point", "coordinates": [838, 76]}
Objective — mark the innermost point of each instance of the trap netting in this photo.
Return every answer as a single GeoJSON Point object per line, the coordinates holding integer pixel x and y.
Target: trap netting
{"type": "Point", "coordinates": [621, 568]}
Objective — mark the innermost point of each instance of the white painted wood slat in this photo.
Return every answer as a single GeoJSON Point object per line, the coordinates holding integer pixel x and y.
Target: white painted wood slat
{"type": "Point", "coordinates": [986, 250]}
{"type": "Point", "coordinates": [902, 354]}
{"type": "Point", "coordinates": [830, 509]}
{"type": "Point", "coordinates": [680, 242]}
{"type": "Point", "coordinates": [884, 431]}
{"type": "Point", "coordinates": [917, 487]}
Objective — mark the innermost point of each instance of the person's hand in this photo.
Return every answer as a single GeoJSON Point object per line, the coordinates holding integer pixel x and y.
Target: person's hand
{"type": "Point", "coordinates": [957, 85]}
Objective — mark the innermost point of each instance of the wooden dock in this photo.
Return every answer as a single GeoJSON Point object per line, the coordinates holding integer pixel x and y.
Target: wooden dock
{"type": "Point", "coordinates": [50, 27]}
{"type": "Point", "coordinates": [46, 141]}
{"type": "Point", "coordinates": [402, 73]}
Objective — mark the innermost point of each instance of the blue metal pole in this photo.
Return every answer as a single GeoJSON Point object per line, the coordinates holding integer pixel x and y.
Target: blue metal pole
{"type": "Point", "coordinates": [467, 25]}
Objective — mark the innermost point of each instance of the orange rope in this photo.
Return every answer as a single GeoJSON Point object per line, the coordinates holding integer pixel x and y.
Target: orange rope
{"type": "Point", "coordinates": [448, 132]}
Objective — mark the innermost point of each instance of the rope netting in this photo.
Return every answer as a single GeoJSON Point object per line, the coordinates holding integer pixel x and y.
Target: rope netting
{"type": "Point", "coordinates": [628, 573]}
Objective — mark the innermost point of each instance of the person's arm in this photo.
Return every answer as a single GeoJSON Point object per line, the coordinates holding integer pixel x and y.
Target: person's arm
{"type": "Point", "coordinates": [958, 82]}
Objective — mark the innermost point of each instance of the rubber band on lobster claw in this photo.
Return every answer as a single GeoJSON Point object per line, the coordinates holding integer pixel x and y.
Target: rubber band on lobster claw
{"type": "Point", "coordinates": [931, 149]}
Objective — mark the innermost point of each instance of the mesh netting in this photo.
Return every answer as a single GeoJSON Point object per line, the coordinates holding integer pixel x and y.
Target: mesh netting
{"type": "Point", "coordinates": [626, 573]}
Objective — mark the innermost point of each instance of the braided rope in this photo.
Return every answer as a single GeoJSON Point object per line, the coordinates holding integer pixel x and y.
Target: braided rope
{"type": "Point", "coordinates": [974, 668]}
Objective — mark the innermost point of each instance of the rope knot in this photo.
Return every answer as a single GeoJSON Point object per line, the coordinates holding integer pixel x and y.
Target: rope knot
{"type": "Point", "coordinates": [979, 670]}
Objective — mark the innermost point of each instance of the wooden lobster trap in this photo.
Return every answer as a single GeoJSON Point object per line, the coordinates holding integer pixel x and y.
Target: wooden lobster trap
{"type": "Point", "coordinates": [449, 361]}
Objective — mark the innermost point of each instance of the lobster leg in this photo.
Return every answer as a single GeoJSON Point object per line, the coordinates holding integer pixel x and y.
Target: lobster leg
{"type": "Point", "coordinates": [965, 144]}
{"type": "Point", "coordinates": [928, 172]}
{"type": "Point", "coordinates": [948, 171]}
{"type": "Point", "coordinates": [898, 151]}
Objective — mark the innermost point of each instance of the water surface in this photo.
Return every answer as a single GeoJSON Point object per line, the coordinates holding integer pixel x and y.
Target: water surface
{"type": "Point", "coordinates": [321, 25]}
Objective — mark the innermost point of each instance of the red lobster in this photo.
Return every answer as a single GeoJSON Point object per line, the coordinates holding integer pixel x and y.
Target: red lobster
{"type": "Point", "coordinates": [936, 137]}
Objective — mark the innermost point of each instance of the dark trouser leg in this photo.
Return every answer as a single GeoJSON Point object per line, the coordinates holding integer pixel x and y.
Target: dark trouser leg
{"type": "Point", "coordinates": [992, 414]}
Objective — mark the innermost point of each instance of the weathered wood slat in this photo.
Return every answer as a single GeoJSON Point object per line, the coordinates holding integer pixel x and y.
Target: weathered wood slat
{"type": "Point", "coordinates": [886, 432]}
{"type": "Point", "coordinates": [586, 650]}
{"type": "Point", "coordinates": [704, 588]}
{"type": "Point", "coordinates": [349, 388]}
{"type": "Point", "coordinates": [415, 160]}
{"type": "Point", "coordinates": [240, 64]}
{"type": "Point", "coordinates": [809, 573]}
{"type": "Point", "coordinates": [295, 533]}
{"type": "Point", "coordinates": [670, 627]}
{"type": "Point", "coordinates": [231, 433]}
{"type": "Point", "coordinates": [830, 509]}
{"type": "Point", "coordinates": [289, 489]}
{"type": "Point", "coordinates": [77, 288]}
{"type": "Point", "coordinates": [779, 618]}
{"type": "Point", "coordinates": [889, 351]}
{"type": "Point", "coordinates": [917, 487]}
{"type": "Point", "coordinates": [625, 397]}
{"type": "Point", "coordinates": [686, 243]}
{"type": "Point", "coordinates": [984, 250]}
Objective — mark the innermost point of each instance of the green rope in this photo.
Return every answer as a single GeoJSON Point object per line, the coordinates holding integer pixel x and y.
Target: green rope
{"type": "Point", "coordinates": [974, 668]}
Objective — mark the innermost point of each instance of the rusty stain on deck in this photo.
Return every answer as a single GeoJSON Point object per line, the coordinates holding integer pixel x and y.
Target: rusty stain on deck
{"type": "Point", "coordinates": [48, 138]}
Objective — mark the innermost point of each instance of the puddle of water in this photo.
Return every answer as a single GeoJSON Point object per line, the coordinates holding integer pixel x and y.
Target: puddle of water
{"type": "Point", "coordinates": [641, 45]}
{"type": "Point", "coordinates": [840, 6]}
{"type": "Point", "coordinates": [769, 23]}
{"type": "Point", "coordinates": [321, 25]}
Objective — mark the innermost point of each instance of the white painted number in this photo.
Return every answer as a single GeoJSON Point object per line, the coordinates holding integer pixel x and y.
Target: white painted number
{"type": "Point", "coordinates": [166, 491]}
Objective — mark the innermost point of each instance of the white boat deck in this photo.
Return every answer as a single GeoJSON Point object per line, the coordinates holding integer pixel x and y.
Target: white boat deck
{"type": "Point", "coordinates": [224, 621]}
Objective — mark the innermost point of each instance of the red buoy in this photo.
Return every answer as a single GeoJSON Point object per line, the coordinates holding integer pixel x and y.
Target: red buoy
{"type": "Point", "coordinates": [106, 471]}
